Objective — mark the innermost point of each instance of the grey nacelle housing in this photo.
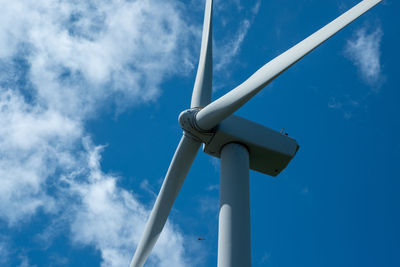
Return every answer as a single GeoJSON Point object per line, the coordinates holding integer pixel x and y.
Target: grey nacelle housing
{"type": "Point", "coordinates": [269, 151]}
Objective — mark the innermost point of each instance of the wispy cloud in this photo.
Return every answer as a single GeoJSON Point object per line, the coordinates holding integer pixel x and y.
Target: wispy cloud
{"type": "Point", "coordinates": [305, 190]}
{"type": "Point", "coordinates": [266, 259]}
{"type": "Point", "coordinates": [215, 162]}
{"type": "Point", "coordinates": [229, 50]}
{"type": "Point", "coordinates": [3, 251]}
{"type": "Point", "coordinates": [213, 187]}
{"type": "Point", "coordinates": [347, 105]}
{"type": "Point", "coordinates": [209, 205]}
{"type": "Point", "coordinates": [364, 51]}
{"type": "Point", "coordinates": [25, 262]}
{"type": "Point", "coordinates": [146, 187]}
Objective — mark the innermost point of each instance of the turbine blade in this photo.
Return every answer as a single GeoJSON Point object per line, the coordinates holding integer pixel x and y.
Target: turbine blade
{"type": "Point", "coordinates": [214, 113]}
{"type": "Point", "coordinates": [203, 84]}
{"type": "Point", "coordinates": [178, 169]}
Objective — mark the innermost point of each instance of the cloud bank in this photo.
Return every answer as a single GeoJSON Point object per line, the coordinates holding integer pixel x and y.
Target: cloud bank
{"type": "Point", "coordinates": [61, 62]}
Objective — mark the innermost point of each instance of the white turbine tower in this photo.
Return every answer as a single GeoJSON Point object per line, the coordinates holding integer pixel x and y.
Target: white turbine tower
{"type": "Point", "coordinates": [241, 144]}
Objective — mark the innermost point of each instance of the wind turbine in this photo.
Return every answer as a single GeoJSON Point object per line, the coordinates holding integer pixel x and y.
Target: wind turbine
{"type": "Point", "coordinates": [240, 143]}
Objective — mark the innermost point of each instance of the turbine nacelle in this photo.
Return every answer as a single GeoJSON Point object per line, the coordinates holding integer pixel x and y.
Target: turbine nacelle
{"type": "Point", "coordinates": [269, 151]}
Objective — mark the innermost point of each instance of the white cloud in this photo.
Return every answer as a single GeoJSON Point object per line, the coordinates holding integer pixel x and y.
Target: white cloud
{"type": "Point", "coordinates": [112, 220]}
{"type": "Point", "coordinates": [34, 144]}
{"type": "Point", "coordinates": [60, 62]}
{"type": "Point", "coordinates": [109, 48]}
{"type": "Point", "coordinates": [364, 52]}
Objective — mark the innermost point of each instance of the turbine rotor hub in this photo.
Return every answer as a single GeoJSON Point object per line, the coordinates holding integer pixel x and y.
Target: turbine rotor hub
{"type": "Point", "coordinates": [187, 120]}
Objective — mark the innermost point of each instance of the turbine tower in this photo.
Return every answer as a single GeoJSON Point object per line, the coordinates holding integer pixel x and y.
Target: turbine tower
{"type": "Point", "coordinates": [240, 143]}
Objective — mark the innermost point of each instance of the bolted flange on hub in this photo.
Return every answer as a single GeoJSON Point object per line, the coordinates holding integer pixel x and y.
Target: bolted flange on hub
{"type": "Point", "coordinates": [187, 120]}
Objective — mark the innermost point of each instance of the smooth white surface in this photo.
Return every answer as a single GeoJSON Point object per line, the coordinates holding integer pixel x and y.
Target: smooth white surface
{"type": "Point", "coordinates": [269, 151]}
{"type": "Point", "coordinates": [234, 244]}
{"type": "Point", "coordinates": [203, 85]}
{"type": "Point", "coordinates": [214, 113]}
{"type": "Point", "coordinates": [177, 172]}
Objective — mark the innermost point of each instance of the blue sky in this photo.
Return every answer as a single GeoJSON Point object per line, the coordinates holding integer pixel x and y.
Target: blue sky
{"type": "Point", "coordinates": [89, 98]}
